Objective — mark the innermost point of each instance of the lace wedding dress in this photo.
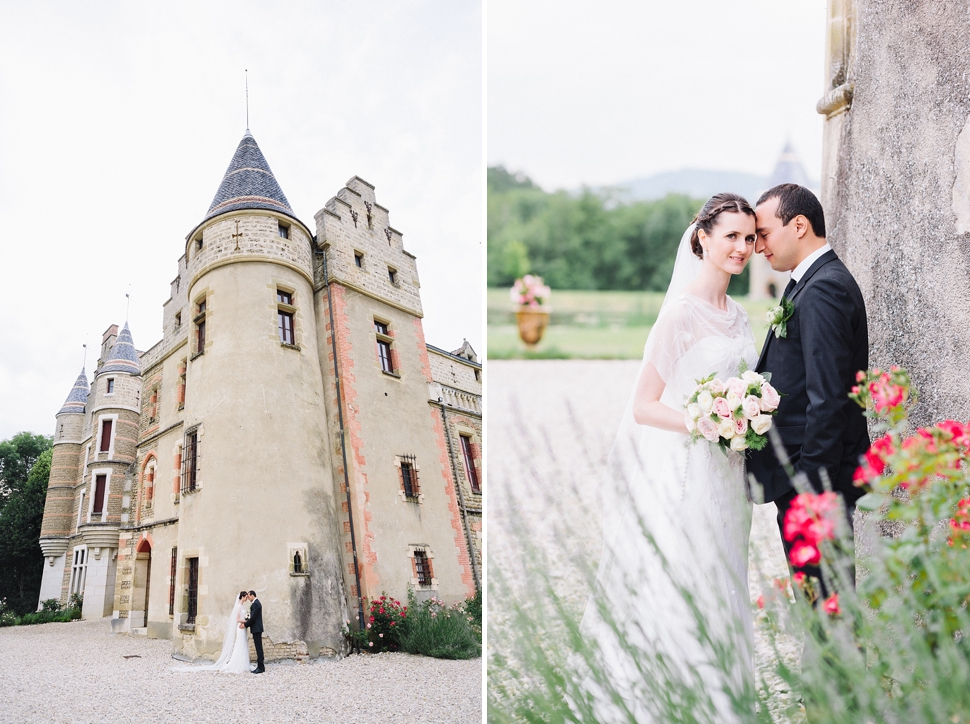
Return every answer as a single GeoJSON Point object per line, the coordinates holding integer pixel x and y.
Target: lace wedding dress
{"type": "Point", "coordinates": [234, 658]}
{"type": "Point", "coordinates": [670, 615]}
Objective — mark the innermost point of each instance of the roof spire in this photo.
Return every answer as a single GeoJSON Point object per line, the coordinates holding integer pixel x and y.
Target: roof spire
{"type": "Point", "coordinates": [78, 397]}
{"type": "Point", "coordinates": [122, 357]}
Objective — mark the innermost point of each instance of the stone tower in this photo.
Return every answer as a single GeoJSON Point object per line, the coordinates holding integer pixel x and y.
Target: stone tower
{"type": "Point", "coordinates": [256, 490]}
{"type": "Point", "coordinates": [404, 517]}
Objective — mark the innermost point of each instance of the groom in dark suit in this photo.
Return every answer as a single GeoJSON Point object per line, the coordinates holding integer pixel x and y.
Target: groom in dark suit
{"type": "Point", "coordinates": [255, 626]}
{"type": "Point", "coordinates": [814, 365]}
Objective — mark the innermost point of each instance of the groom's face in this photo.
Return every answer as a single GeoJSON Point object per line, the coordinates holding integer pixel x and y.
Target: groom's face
{"type": "Point", "coordinates": [778, 242]}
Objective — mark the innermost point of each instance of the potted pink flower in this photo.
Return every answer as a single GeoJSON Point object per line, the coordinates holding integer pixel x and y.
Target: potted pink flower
{"type": "Point", "coordinates": [530, 295]}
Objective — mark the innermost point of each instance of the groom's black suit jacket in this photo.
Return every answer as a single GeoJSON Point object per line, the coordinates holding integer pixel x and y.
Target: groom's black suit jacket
{"type": "Point", "coordinates": [255, 622]}
{"type": "Point", "coordinates": [814, 367]}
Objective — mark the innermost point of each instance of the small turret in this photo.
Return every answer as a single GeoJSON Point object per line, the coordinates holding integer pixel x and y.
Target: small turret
{"type": "Point", "coordinates": [78, 397]}
{"type": "Point", "coordinates": [123, 357]}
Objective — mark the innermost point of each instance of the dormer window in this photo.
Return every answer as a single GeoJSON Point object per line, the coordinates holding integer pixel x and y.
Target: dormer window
{"type": "Point", "coordinates": [284, 230]}
{"type": "Point", "coordinates": [359, 259]}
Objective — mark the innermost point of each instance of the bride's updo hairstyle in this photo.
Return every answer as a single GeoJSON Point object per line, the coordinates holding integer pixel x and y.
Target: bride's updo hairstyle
{"type": "Point", "coordinates": [706, 218]}
{"type": "Point", "coordinates": [242, 595]}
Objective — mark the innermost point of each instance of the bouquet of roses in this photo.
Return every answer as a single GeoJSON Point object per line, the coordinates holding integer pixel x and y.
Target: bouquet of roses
{"type": "Point", "coordinates": [736, 414]}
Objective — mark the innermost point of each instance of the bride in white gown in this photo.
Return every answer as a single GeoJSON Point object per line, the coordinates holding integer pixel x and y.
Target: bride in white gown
{"type": "Point", "coordinates": [670, 616]}
{"type": "Point", "coordinates": [234, 658]}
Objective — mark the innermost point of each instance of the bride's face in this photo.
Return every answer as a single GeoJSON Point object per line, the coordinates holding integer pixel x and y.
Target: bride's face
{"type": "Point", "coordinates": [731, 242]}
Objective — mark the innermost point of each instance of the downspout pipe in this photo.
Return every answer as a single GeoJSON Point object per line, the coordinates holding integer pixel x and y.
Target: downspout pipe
{"type": "Point", "coordinates": [343, 438]}
{"type": "Point", "coordinates": [461, 496]}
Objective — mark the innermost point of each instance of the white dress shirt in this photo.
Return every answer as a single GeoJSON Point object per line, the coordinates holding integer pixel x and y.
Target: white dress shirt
{"type": "Point", "coordinates": [799, 271]}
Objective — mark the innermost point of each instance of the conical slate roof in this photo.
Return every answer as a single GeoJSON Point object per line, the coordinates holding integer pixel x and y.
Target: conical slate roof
{"type": "Point", "coordinates": [789, 169]}
{"type": "Point", "coordinates": [78, 398]}
{"type": "Point", "coordinates": [122, 357]}
{"type": "Point", "coordinates": [249, 183]}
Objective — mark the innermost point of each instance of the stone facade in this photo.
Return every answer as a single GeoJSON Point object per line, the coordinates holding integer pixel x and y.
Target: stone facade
{"type": "Point", "coordinates": [895, 185]}
{"type": "Point", "coordinates": [263, 443]}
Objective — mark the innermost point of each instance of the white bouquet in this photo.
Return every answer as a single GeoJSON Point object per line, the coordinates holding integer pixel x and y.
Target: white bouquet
{"type": "Point", "coordinates": [736, 414]}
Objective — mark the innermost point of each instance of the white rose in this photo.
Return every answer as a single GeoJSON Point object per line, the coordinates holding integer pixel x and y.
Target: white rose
{"type": "Point", "coordinates": [739, 443]}
{"type": "Point", "coordinates": [705, 401]}
{"type": "Point", "coordinates": [694, 410]}
{"type": "Point", "coordinates": [725, 428]}
{"type": "Point", "coordinates": [774, 315]}
{"type": "Point", "coordinates": [761, 424]}
{"type": "Point", "coordinates": [733, 400]}
{"type": "Point", "coordinates": [752, 406]}
{"type": "Point", "coordinates": [716, 386]}
{"type": "Point", "coordinates": [690, 422]}
{"type": "Point", "coordinates": [752, 378]}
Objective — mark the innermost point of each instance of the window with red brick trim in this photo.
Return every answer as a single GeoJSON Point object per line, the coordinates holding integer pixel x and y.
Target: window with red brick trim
{"type": "Point", "coordinates": [409, 476]}
{"type": "Point", "coordinates": [105, 436]}
{"type": "Point", "coordinates": [100, 483]}
{"type": "Point", "coordinates": [422, 566]}
{"type": "Point", "coordinates": [384, 341]}
{"type": "Point", "coordinates": [470, 471]}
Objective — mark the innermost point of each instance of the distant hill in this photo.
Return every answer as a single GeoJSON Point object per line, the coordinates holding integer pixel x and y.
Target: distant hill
{"type": "Point", "coordinates": [693, 182]}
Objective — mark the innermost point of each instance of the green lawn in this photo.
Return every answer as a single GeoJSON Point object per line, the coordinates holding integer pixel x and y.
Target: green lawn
{"type": "Point", "coordinates": [591, 325]}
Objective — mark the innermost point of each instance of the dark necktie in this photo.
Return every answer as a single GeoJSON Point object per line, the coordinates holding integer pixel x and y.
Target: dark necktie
{"type": "Point", "coordinates": [791, 285]}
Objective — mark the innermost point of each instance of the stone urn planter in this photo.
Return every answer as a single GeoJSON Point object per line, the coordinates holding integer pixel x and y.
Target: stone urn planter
{"type": "Point", "coordinates": [532, 324]}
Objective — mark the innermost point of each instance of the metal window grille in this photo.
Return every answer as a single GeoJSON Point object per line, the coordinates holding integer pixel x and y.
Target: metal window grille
{"type": "Point", "coordinates": [466, 449]}
{"type": "Point", "coordinates": [286, 327]}
{"type": "Point", "coordinates": [297, 563]}
{"type": "Point", "coordinates": [171, 587]}
{"type": "Point", "coordinates": [423, 567]}
{"type": "Point", "coordinates": [190, 462]}
{"type": "Point", "coordinates": [193, 607]}
{"type": "Point", "coordinates": [409, 476]}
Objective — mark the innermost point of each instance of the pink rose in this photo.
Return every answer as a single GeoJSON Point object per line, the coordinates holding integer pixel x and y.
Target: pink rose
{"type": "Point", "coordinates": [707, 428]}
{"type": "Point", "coordinates": [716, 386]}
{"type": "Point", "coordinates": [722, 408]}
{"type": "Point", "coordinates": [741, 426]}
{"type": "Point", "coordinates": [737, 386]}
{"type": "Point", "coordinates": [751, 406]}
{"type": "Point", "coordinates": [770, 398]}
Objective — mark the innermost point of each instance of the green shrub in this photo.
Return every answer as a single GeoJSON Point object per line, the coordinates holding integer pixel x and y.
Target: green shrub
{"type": "Point", "coordinates": [30, 619]}
{"type": "Point", "coordinates": [76, 601]}
{"type": "Point", "coordinates": [50, 604]}
{"type": "Point", "coordinates": [436, 630]}
{"type": "Point", "coordinates": [473, 606]}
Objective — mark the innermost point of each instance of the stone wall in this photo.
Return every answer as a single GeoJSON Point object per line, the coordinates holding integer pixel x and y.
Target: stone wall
{"type": "Point", "coordinates": [896, 185]}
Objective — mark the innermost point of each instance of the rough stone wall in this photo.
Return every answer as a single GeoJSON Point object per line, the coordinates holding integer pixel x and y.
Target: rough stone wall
{"type": "Point", "coordinates": [448, 370]}
{"type": "Point", "coordinates": [897, 194]}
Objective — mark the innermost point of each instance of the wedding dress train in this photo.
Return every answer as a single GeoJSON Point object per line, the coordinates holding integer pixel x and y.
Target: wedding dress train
{"type": "Point", "coordinates": [670, 616]}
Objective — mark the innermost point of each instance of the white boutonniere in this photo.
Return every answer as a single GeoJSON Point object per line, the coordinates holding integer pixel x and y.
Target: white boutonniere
{"type": "Point", "coordinates": [778, 317]}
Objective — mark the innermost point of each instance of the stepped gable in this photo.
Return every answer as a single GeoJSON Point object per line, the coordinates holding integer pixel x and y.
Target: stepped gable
{"type": "Point", "coordinates": [249, 183]}
{"type": "Point", "coordinates": [123, 357]}
{"type": "Point", "coordinates": [78, 398]}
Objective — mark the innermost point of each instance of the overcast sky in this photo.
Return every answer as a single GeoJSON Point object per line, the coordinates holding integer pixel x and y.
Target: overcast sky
{"type": "Point", "coordinates": [600, 93]}
{"type": "Point", "coordinates": [117, 123]}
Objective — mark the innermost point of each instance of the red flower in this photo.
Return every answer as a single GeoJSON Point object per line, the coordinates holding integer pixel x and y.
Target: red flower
{"type": "Point", "coordinates": [885, 394]}
{"type": "Point", "coordinates": [803, 554]}
{"type": "Point", "coordinates": [382, 610]}
{"type": "Point", "coordinates": [831, 605]}
{"type": "Point", "coordinates": [798, 579]}
{"type": "Point", "coordinates": [761, 601]}
{"type": "Point", "coordinates": [372, 619]}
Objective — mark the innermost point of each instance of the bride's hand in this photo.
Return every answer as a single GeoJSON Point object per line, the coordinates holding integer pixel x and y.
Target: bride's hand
{"type": "Point", "coordinates": [647, 407]}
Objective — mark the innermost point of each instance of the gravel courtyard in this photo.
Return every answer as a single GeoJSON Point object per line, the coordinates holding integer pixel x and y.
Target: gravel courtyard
{"type": "Point", "coordinates": [79, 672]}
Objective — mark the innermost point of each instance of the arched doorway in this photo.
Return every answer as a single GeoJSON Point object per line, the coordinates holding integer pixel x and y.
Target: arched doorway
{"type": "Point", "coordinates": [141, 585]}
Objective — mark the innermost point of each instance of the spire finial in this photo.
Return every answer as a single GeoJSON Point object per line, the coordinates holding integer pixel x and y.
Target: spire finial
{"type": "Point", "coordinates": [84, 364]}
{"type": "Point", "coordinates": [247, 99]}
{"type": "Point", "coordinates": [127, 303]}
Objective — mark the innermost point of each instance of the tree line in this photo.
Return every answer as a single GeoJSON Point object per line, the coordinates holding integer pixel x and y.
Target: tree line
{"type": "Point", "coordinates": [25, 468]}
{"type": "Point", "coordinates": [584, 240]}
